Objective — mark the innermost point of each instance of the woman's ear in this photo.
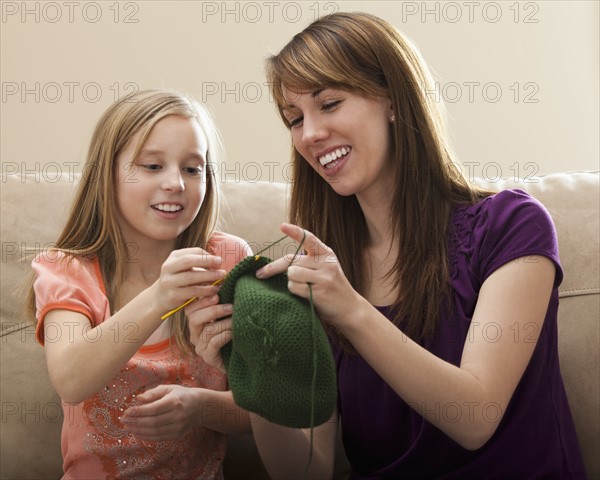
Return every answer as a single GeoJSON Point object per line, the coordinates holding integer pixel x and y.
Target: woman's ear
{"type": "Point", "coordinates": [391, 113]}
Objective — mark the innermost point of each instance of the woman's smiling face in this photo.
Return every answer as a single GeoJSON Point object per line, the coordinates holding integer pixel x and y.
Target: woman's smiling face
{"type": "Point", "coordinates": [344, 136]}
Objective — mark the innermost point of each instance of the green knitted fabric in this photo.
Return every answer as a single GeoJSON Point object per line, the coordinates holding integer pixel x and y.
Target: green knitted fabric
{"type": "Point", "coordinates": [277, 341]}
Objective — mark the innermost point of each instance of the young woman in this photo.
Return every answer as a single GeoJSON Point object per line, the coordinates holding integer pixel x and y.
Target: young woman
{"type": "Point", "coordinates": [441, 298]}
{"type": "Point", "coordinates": [140, 241]}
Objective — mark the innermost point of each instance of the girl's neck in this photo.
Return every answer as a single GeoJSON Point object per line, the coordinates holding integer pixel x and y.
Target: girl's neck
{"type": "Point", "coordinates": [145, 261]}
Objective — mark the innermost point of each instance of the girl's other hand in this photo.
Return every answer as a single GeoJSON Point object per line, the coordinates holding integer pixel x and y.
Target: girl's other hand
{"type": "Point", "coordinates": [210, 328]}
{"type": "Point", "coordinates": [166, 412]}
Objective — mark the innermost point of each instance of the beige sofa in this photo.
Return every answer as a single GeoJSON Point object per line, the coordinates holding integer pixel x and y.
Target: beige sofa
{"type": "Point", "coordinates": [33, 209]}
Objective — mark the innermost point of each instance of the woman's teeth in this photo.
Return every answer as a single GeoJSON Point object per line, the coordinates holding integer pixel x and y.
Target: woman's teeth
{"type": "Point", "coordinates": [331, 156]}
{"type": "Point", "coordinates": [164, 207]}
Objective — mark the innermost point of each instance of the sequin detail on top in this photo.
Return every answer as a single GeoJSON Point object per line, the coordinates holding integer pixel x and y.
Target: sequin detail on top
{"type": "Point", "coordinates": [93, 442]}
{"type": "Point", "coordinates": [198, 453]}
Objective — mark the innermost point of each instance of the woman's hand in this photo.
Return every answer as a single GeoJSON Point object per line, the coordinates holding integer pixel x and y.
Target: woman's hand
{"type": "Point", "coordinates": [210, 329]}
{"type": "Point", "coordinates": [166, 412]}
{"type": "Point", "coordinates": [185, 274]}
{"type": "Point", "coordinates": [332, 294]}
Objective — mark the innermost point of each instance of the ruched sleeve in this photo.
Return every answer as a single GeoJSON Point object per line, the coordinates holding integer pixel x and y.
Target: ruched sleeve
{"type": "Point", "coordinates": [513, 225]}
{"type": "Point", "coordinates": [65, 282]}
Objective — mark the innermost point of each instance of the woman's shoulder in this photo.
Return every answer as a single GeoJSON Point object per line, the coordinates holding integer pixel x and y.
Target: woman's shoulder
{"type": "Point", "coordinates": [498, 209]}
{"type": "Point", "coordinates": [502, 227]}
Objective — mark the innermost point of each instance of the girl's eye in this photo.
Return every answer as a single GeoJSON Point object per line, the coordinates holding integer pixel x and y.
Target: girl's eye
{"type": "Point", "coordinates": [196, 171]}
{"type": "Point", "coordinates": [151, 166]}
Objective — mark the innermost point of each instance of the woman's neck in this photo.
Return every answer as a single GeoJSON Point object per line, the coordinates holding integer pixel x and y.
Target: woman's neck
{"type": "Point", "coordinates": [377, 210]}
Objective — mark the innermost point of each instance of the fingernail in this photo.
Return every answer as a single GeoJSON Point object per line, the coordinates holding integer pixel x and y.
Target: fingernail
{"type": "Point", "coordinates": [228, 308]}
{"type": "Point", "coordinates": [260, 273]}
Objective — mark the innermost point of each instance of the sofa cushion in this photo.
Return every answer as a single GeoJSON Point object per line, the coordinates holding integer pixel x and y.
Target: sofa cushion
{"type": "Point", "coordinates": [33, 212]}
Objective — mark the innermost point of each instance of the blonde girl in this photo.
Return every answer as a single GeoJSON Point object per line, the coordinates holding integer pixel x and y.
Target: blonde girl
{"type": "Point", "coordinates": [139, 241]}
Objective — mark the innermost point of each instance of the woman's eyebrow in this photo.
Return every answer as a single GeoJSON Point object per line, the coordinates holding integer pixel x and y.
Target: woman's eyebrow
{"type": "Point", "coordinates": [314, 94]}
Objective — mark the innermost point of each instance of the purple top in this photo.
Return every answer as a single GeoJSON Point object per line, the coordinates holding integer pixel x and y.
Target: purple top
{"type": "Point", "coordinates": [385, 438]}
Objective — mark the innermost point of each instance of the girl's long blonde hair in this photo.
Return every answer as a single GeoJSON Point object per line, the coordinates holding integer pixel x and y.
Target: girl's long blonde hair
{"type": "Point", "coordinates": [364, 54]}
{"type": "Point", "coordinates": [92, 228]}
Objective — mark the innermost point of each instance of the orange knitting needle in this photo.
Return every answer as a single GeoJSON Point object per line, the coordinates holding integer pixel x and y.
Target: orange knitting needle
{"type": "Point", "coordinates": [185, 304]}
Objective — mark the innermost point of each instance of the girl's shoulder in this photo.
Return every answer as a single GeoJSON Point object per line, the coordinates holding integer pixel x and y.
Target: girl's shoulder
{"type": "Point", "coordinates": [231, 248]}
{"type": "Point", "coordinates": [58, 262]}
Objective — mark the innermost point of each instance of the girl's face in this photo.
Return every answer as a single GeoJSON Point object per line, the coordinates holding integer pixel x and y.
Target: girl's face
{"type": "Point", "coordinates": [160, 192]}
{"type": "Point", "coordinates": [344, 136]}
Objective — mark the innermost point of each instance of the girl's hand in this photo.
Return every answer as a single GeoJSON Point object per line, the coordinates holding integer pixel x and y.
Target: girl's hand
{"type": "Point", "coordinates": [333, 296]}
{"type": "Point", "coordinates": [185, 274]}
{"type": "Point", "coordinates": [166, 412]}
{"type": "Point", "coordinates": [210, 329]}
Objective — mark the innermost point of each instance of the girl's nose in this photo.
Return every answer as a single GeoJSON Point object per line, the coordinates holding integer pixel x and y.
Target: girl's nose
{"type": "Point", "coordinates": [173, 181]}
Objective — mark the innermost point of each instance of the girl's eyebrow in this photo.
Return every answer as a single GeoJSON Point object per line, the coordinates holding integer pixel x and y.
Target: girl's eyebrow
{"type": "Point", "coordinates": [151, 151]}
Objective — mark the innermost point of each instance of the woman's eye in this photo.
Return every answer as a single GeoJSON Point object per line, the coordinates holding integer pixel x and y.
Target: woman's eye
{"type": "Point", "coordinates": [331, 105]}
{"type": "Point", "coordinates": [295, 122]}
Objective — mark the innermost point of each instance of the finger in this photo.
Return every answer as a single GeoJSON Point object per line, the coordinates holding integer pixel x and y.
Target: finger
{"type": "Point", "coordinates": [301, 274]}
{"type": "Point", "coordinates": [275, 267]}
{"type": "Point", "coordinates": [154, 393]}
{"type": "Point", "coordinates": [135, 413]}
{"type": "Point", "coordinates": [199, 260]}
{"type": "Point", "coordinates": [301, 289]}
{"type": "Point", "coordinates": [215, 329]}
{"type": "Point", "coordinates": [199, 277]}
{"type": "Point", "coordinates": [211, 353]}
{"type": "Point", "coordinates": [201, 303]}
{"type": "Point", "coordinates": [308, 240]}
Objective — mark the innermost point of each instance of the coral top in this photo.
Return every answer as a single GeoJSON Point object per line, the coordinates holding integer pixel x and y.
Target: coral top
{"type": "Point", "coordinates": [94, 444]}
{"type": "Point", "coordinates": [385, 438]}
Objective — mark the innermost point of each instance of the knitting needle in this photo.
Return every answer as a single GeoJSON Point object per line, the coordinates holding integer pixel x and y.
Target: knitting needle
{"type": "Point", "coordinates": [187, 302]}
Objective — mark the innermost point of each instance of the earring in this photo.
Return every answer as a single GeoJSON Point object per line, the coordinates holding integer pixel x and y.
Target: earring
{"type": "Point", "coordinates": [393, 118]}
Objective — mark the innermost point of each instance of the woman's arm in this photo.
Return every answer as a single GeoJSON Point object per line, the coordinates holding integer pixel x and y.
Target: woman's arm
{"type": "Point", "coordinates": [284, 451]}
{"type": "Point", "coordinates": [515, 296]}
{"type": "Point", "coordinates": [81, 360]}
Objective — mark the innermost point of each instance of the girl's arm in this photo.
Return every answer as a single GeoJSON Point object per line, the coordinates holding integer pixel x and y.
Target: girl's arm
{"type": "Point", "coordinates": [81, 360]}
{"type": "Point", "coordinates": [515, 296]}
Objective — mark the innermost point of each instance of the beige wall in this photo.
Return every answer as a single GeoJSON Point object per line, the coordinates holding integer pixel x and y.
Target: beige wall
{"type": "Point", "coordinates": [520, 79]}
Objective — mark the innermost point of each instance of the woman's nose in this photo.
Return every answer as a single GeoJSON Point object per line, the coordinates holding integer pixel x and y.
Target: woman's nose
{"type": "Point", "coordinates": [313, 130]}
